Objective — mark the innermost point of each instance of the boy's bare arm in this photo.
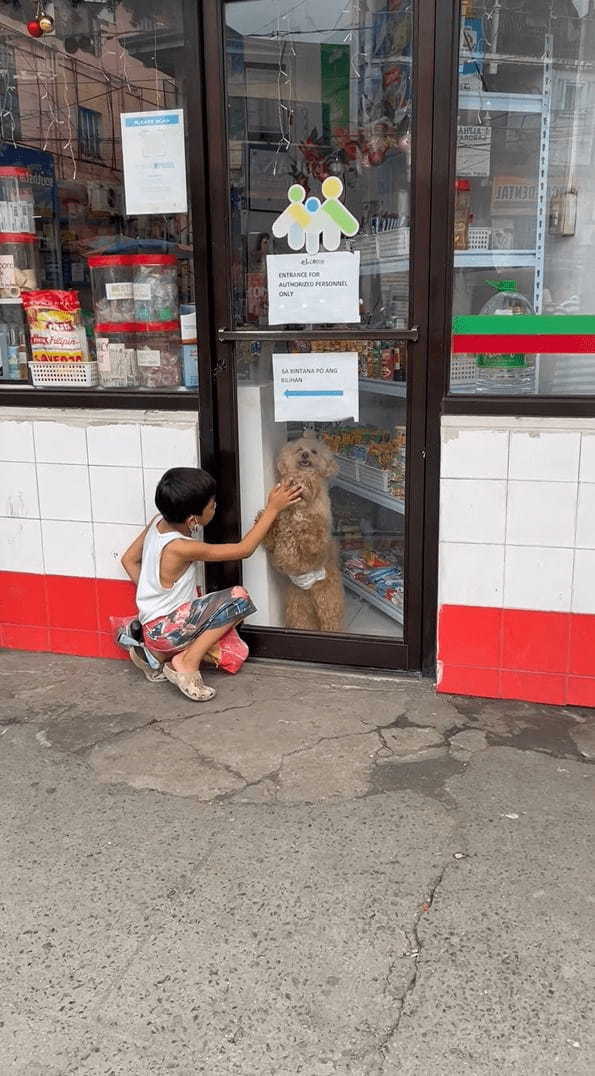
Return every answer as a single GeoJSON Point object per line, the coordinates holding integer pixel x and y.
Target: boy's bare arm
{"type": "Point", "coordinates": [131, 560]}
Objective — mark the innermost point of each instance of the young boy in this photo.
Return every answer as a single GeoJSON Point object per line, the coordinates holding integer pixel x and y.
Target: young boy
{"type": "Point", "coordinates": [179, 628]}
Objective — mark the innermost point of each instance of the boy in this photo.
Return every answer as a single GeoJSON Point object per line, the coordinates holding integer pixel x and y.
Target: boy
{"type": "Point", "coordinates": [178, 627]}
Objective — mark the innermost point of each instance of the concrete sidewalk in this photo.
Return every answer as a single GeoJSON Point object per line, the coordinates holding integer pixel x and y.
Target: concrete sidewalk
{"type": "Point", "coordinates": [313, 874]}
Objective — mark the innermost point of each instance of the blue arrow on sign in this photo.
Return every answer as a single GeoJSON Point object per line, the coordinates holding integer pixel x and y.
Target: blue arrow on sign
{"type": "Point", "coordinates": [313, 392]}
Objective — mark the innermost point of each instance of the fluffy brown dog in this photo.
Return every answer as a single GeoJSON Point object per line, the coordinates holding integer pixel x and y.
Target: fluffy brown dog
{"type": "Point", "coordinates": [300, 541]}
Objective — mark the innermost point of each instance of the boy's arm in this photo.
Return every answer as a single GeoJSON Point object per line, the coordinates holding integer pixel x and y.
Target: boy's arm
{"type": "Point", "coordinates": [131, 560]}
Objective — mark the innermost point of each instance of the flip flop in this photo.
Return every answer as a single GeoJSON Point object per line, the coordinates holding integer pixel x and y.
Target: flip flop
{"type": "Point", "coordinates": [193, 687]}
{"type": "Point", "coordinates": [154, 676]}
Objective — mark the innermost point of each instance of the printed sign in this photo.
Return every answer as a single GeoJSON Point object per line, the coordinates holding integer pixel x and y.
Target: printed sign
{"type": "Point", "coordinates": [474, 143]}
{"type": "Point", "coordinates": [154, 162]}
{"type": "Point", "coordinates": [514, 195]}
{"type": "Point", "coordinates": [315, 290]}
{"type": "Point", "coordinates": [305, 220]}
{"type": "Point", "coordinates": [316, 387]}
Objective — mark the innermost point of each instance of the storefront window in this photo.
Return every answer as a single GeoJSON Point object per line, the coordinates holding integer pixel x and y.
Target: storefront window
{"type": "Point", "coordinates": [525, 200]}
{"type": "Point", "coordinates": [96, 280]}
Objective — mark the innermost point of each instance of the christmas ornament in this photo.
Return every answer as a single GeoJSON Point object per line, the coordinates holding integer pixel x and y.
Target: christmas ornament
{"type": "Point", "coordinates": [34, 29]}
{"type": "Point", "coordinates": [46, 23]}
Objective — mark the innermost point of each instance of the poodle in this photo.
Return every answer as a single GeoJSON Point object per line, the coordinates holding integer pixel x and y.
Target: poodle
{"type": "Point", "coordinates": [300, 542]}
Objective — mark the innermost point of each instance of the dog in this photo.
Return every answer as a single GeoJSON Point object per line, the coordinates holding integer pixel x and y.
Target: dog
{"type": "Point", "coordinates": [300, 542]}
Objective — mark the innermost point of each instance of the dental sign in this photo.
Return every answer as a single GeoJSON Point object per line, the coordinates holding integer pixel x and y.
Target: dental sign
{"type": "Point", "coordinates": [314, 287]}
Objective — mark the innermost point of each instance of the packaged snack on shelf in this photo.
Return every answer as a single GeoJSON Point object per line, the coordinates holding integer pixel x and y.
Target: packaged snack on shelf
{"type": "Point", "coordinates": [113, 288]}
{"type": "Point", "coordinates": [189, 345]}
{"type": "Point", "coordinates": [116, 359]}
{"type": "Point", "coordinates": [16, 200]}
{"type": "Point", "coordinates": [158, 358]}
{"type": "Point", "coordinates": [56, 328]}
{"type": "Point", "coordinates": [19, 264]}
{"type": "Point", "coordinates": [155, 288]}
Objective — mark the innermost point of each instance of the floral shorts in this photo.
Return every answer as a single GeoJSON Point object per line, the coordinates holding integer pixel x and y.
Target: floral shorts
{"type": "Point", "coordinates": [175, 631]}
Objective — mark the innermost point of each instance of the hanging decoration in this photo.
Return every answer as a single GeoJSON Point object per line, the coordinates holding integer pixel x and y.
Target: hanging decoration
{"type": "Point", "coordinates": [41, 23]}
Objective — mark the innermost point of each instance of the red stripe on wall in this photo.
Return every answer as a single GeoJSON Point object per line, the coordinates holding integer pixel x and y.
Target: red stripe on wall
{"type": "Point", "coordinates": [62, 614]}
{"type": "Point", "coordinates": [527, 345]}
{"type": "Point", "coordinates": [517, 654]}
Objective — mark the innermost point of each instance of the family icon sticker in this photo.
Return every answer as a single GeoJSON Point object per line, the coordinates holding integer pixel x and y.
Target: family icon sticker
{"type": "Point", "coordinates": [307, 219]}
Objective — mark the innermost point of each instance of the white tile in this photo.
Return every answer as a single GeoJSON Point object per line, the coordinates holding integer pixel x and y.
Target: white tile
{"type": "Point", "coordinates": [18, 490]}
{"type": "Point", "coordinates": [111, 541]}
{"type": "Point", "coordinates": [585, 519]}
{"type": "Point", "coordinates": [64, 491]}
{"type": "Point", "coordinates": [471, 574]}
{"type": "Point", "coordinates": [20, 546]}
{"type": "Point", "coordinates": [56, 442]}
{"type": "Point", "coordinates": [472, 510]}
{"type": "Point", "coordinates": [538, 578]}
{"type": "Point", "coordinates": [116, 445]}
{"type": "Point", "coordinates": [151, 480]}
{"type": "Point", "coordinates": [117, 495]}
{"type": "Point", "coordinates": [583, 591]}
{"type": "Point", "coordinates": [68, 548]}
{"type": "Point", "coordinates": [168, 446]}
{"type": "Point", "coordinates": [16, 441]}
{"type": "Point", "coordinates": [587, 470]}
{"type": "Point", "coordinates": [474, 453]}
{"type": "Point", "coordinates": [546, 456]}
{"type": "Point", "coordinates": [541, 513]}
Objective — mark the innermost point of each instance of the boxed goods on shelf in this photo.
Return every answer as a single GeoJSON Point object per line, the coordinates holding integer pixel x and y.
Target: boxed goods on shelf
{"type": "Point", "coordinates": [189, 345]}
{"type": "Point", "coordinates": [371, 456]}
{"type": "Point", "coordinates": [16, 200]}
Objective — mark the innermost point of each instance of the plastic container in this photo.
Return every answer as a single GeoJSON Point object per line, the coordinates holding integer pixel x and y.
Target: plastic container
{"type": "Point", "coordinates": [189, 345]}
{"type": "Point", "coordinates": [158, 359]}
{"type": "Point", "coordinates": [14, 354]}
{"type": "Point", "coordinates": [16, 200]}
{"type": "Point", "coordinates": [155, 288]}
{"type": "Point", "coordinates": [67, 375]}
{"type": "Point", "coordinates": [463, 214]}
{"type": "Point", "coordinates": [19, 264]}
{"type": "Point", "coordinates": [112, 283]}
{"type": "Point", "coordinates": [116, 358]}
{"type": "Point", "coordinates": [512, 375]}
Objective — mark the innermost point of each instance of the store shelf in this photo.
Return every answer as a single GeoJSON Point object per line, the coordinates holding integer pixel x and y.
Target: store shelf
{"type": "Point", "coordinates": [476, 101]}
{"type": "Point", "coordinates": [383, 388]}
{"type": "Point", "coordinates": [369, 494]}
{"type": "Point", "coordinates": [495, 259]}
{"type": "Point", "coordinates": [374, 599]}
{"type": "Point", "coordinates": [385, 266]}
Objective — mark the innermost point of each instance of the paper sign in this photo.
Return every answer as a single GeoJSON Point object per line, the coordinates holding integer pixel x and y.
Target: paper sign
{"type": "Point", "coordinates": [316, 387]}
{"type": "Point", "coordinates": [154, 161]}
{"type": "Point", "coordinates": [313, 289]}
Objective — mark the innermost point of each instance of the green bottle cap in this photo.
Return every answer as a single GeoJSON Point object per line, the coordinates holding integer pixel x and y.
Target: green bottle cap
{"type": "Point", "coordinates": [503, 285]}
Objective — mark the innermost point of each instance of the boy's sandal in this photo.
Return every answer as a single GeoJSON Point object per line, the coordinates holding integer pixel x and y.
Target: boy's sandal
{"type": "Point", "coordinates": [137, 657]}
{"type": "Point", "coordinates": [193, 687]}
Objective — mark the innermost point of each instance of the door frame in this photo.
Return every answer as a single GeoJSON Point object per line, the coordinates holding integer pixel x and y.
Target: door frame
{"type": "Point", "coordinates": [218, 425]}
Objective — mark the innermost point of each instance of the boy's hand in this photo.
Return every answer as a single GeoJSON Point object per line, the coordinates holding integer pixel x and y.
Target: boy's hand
{"type": "Point", "coordinates": [284, 494]}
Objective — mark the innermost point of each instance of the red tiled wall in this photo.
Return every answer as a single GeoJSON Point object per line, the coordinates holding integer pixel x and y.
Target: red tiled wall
{"type": "Point", "coordinates": [62, 614]}
{"type": "Point", "coordinates": [517, 654]}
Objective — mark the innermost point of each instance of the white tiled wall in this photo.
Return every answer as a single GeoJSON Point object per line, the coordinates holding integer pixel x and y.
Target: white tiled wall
{"type": "Point", "coordinates": [77, 487]}
{"type": "Point", "coordinates": [517, 513]}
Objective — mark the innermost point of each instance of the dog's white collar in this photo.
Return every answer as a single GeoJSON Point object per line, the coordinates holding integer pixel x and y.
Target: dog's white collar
{"type": "Point", "coordinates": [308, 579]}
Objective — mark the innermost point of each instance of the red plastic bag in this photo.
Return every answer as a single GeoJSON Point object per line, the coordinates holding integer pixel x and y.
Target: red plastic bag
{"type": "Point", "coordinates": [229, 654]}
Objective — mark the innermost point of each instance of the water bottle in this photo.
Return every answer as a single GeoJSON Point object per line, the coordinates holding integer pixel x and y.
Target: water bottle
{"type": "Point", "coordinates": [511, 374]}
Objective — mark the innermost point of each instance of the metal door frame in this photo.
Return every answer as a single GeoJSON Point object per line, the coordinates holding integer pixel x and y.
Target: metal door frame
{"type": "Point", "coordinates": [430, 208]}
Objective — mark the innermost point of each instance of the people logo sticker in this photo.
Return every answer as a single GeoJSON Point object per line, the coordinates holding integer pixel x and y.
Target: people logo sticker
{"type": "Point", "coordinates": [307, 219]}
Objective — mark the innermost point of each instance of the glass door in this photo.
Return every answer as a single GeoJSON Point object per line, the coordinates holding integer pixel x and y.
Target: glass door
{"type": "Point", "coordinates": [320, 372]}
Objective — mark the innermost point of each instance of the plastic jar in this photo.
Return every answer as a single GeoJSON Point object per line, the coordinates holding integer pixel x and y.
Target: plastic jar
{"type": "Point", "coordinates": [16, 200]}
{"type": "Point", "coordinates": [19, 264]}
{"type": "Point", "coordinates": [506, 374]}
{"type": "Point", "coordinates": [155, 288]}
{"type": "Point", "coordinates": [158, 358]}
{"type": "Point", "coordinates": [116, 357]}
{"type": "Point", "coordinates": [112, 278]}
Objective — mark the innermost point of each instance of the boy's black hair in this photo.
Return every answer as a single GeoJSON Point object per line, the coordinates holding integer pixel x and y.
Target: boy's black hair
{"type": "Point", "coordinates": [183, 492]}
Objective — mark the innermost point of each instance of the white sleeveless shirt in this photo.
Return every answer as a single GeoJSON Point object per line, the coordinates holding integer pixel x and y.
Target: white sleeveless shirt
{"type": "Point", "coordinates": [154, 600]}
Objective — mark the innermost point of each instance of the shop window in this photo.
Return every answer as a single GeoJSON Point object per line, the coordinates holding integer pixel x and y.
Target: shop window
{"type": "Point", "coordinates": [89, 130]}
{"type": "Point", "coordinates": [525, 201]}
{"type": "Point", "coordinates": [96, 280]}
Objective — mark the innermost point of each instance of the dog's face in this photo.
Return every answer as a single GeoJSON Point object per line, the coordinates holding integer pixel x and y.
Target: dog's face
{"type": "Point", "coordinates": [305, 458]}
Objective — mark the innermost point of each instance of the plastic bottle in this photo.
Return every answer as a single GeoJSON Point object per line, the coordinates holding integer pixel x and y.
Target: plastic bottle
{"type": "Point", "coordinates": [512, 374]}
{"type": "Point", "coordinates": [463, 214]}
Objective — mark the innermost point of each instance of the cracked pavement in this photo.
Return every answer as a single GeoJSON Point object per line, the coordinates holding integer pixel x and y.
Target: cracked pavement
{"type": "Point", "coordinates": [315, 873]}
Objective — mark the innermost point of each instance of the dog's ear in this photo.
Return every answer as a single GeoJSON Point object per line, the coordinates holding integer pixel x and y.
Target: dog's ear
{"type": "Point", "coordinates": [327, 464]}
{"type": "Point", "coordinates": [283, 465]}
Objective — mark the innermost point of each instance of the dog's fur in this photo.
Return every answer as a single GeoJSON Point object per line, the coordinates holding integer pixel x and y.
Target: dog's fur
{"type": "Point", "coordinates": [301, 540]}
